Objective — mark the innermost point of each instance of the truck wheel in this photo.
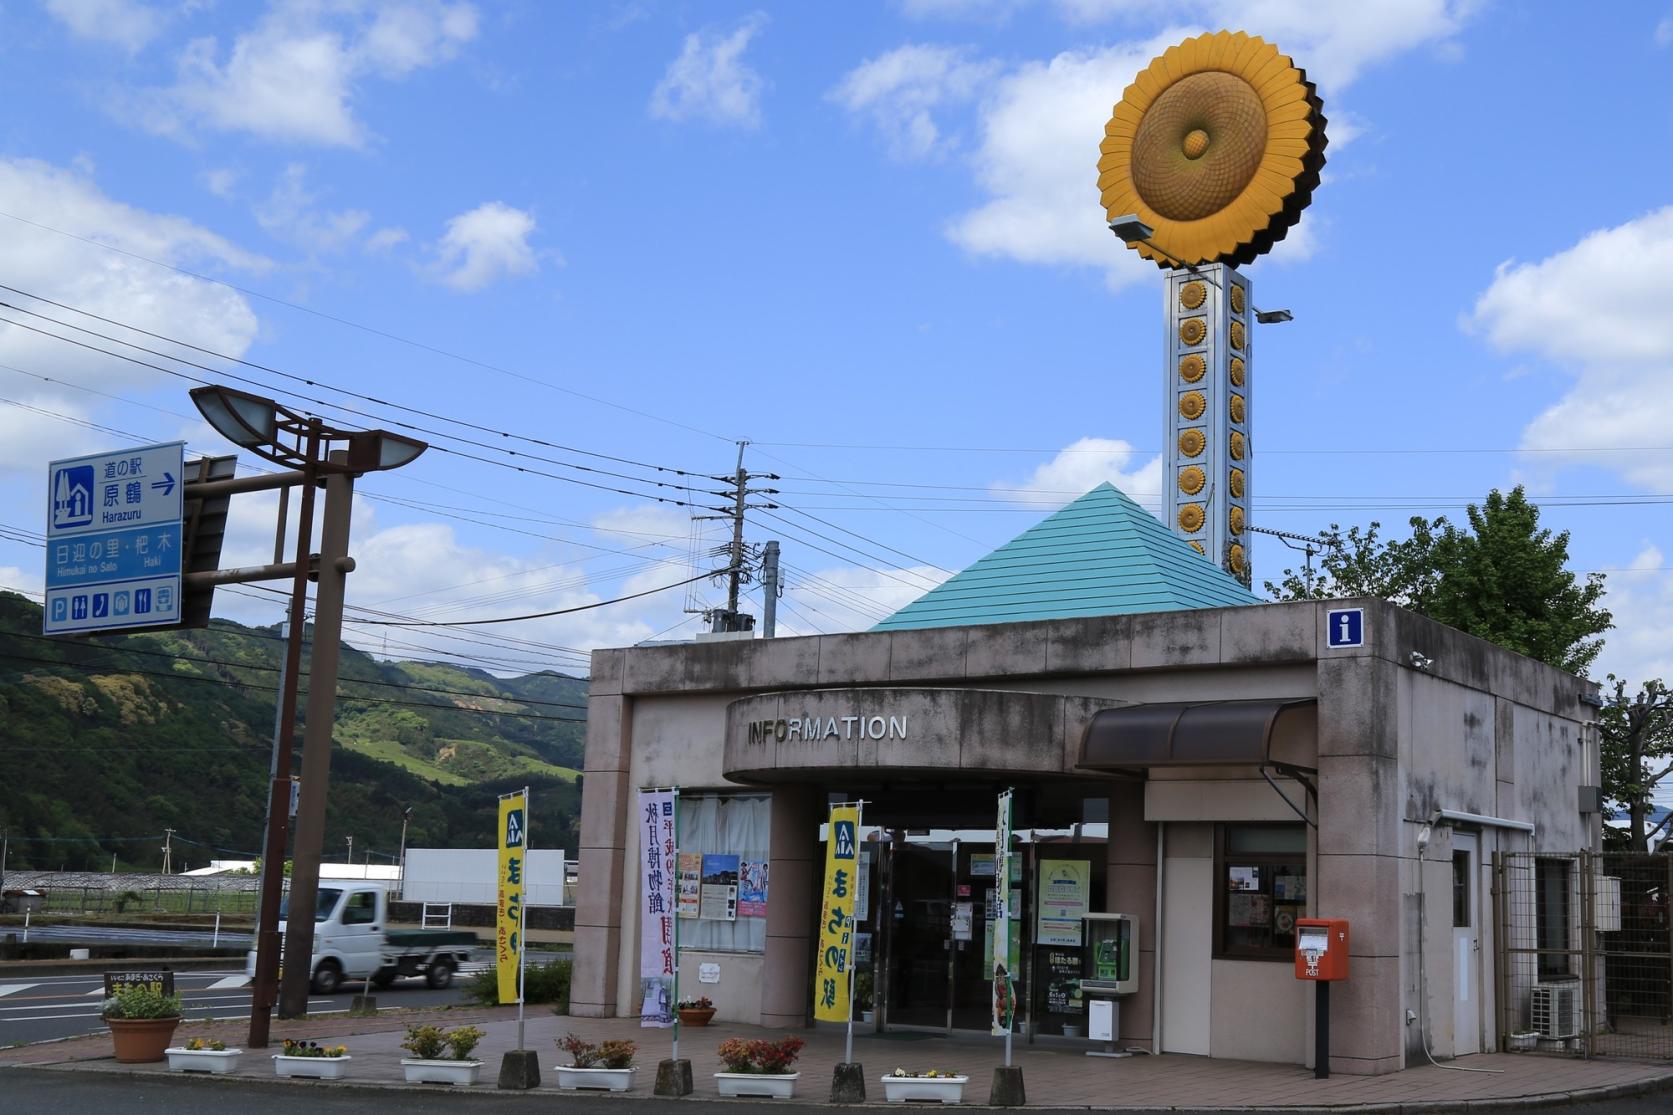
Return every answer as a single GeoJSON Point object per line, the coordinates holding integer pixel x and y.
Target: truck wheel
{"type": "Point", "coordinates": [327, 977]}
{"type": "Point", "coordinates": [440, 974]}
{"type": "Point", "coordinates": [383, 977]}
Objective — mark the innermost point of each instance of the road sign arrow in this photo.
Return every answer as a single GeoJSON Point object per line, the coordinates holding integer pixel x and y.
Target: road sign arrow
{"type": "Point", "coordinates": [166, 483]}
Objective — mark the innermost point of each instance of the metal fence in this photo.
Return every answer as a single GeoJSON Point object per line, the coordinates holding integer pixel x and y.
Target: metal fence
{"type": "Point", "coordinates": [99, 893]}
{"type": "Point", "coordinates": [1585, 953]}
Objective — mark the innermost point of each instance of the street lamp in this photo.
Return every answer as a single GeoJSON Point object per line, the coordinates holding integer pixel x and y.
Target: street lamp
{"type": "Point", "coordinates": [401, 860]}
{"type": "Point", "coordinates": [314, 452]}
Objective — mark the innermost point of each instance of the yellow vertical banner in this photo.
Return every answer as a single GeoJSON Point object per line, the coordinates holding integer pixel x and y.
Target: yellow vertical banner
{"type": "Point", "coordinates": [831, 1002]}
{"type": "Point", "coordinates": [508, 935]}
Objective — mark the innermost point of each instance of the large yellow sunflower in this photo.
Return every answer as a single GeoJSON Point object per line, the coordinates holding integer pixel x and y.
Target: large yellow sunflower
{"type": "Point", "coordinates": [1217, 146]}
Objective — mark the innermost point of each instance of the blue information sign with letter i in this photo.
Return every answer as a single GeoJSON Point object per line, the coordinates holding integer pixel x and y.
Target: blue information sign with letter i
{"type": "Point", "coordinates": [1345, 627]}
{"type": "Point", "coordinates": [113, 539]}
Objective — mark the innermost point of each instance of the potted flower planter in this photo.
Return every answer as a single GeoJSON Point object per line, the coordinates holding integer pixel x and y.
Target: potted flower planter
{"type": "Point", "coordinates": [695, 1016]}
{"type": "Point", "coordinates": [315, 1068]}
{"type": "Point", "coordinates": [771, 1085]}
{"type": "Point", "coordinates": [218, 1061]}
{"type": "Point", "coordinates": [140, 1041]}
{"type": "Point", "coordinates": [597, 1080]}
{"type": "Point", "coordinates": [442, 1071]}
{"type": "Point", "coordinates": [941, 1089]}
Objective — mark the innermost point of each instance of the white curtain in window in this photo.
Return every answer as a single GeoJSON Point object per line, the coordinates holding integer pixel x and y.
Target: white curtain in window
{"type": "Point", "coordinates": [734, 825]}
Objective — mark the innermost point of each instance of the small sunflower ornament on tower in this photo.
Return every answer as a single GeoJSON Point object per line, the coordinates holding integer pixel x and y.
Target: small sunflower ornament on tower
{"type": "Point", "coordinates": [1212, 153]}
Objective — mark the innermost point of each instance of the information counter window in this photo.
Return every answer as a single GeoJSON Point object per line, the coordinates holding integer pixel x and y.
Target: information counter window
{"type": "Point", "coordinates": [1261, 888]}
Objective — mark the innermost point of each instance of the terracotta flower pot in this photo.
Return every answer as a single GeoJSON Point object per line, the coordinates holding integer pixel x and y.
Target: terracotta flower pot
{"type": "Point", "coordinates": [695, 1016]}
{"type": "Point", "coordinates": [141, 1040]}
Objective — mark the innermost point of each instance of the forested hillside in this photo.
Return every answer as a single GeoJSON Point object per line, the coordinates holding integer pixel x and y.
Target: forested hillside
{"type": "Point", "coordinates": [106, 742]}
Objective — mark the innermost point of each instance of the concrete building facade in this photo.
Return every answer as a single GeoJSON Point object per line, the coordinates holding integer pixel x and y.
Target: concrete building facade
{"type": "Point", "coordinates": [1218, 771]}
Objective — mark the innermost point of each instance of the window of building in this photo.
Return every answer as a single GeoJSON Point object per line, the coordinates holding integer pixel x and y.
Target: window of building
{"type": "Point", "coordinates": [724, 825]}
{"type": "Point", "coordinates": [1460, 890]}
{"type": "Point", "coordinates": [1261, 888]}
{"type": "Point", "coordinates": [1551, 917]}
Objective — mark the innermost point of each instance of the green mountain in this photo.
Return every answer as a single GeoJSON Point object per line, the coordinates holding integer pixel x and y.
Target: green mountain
{"type": "Point", "coordinates": [106, 742]}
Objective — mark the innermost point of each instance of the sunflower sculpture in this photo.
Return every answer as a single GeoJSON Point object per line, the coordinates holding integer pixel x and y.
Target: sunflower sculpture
{"type": "Point", "coordinates": [1217, 146]}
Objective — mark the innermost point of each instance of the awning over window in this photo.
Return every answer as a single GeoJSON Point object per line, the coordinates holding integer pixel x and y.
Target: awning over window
{"type": "Point", "coordinates": [1211, 733]}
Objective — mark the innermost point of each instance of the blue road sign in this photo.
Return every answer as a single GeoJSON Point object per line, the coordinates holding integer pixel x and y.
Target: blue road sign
{"type": "Point", "coordinates": [1345, 627]}
{"type": "Point", "coordinates": [113, 539]}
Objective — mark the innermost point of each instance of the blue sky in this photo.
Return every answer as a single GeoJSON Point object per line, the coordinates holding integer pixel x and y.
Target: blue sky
{"type": "Point", "coordinates": [865, 238]}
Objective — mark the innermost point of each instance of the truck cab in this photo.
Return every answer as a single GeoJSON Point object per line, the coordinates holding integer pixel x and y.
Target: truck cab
{"type": "Point", "coordinates": [352, 940]}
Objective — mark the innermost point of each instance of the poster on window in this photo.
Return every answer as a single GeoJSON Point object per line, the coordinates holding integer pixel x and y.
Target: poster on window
{"type": "Point", "coordinates": [690, 883]}
{"type": "Point", "coordinates": [658, 933]}
{"type": "Point", "coordinates": [1249, 911]}
{"type": "Point", "coordinates": [1065, 898]}
{"type": "Point", "coordinates": [862, 896]}
{"type": "Point", "coordinates": [752, 888]}
{"type": "Point", "coordinates": [719, 899]}
{"type": "Point", "coordinates": [1062, 972]}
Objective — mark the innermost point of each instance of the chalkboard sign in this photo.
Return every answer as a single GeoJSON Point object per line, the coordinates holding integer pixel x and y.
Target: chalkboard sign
{"type": "Point", "coordinates": [160, 980]}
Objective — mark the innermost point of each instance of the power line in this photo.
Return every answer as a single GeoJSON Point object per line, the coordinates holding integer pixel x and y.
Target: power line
{"type": "Point", "coordinates": [540, 615]}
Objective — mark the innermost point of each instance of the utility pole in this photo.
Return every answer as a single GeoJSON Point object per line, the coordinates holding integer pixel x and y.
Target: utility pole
{"type": "Point", "coordinates": [168, 851]}
{"type": "Point", "coordinates": [738, 556]}
{"type": "Point", "coordinates": [770, 589]}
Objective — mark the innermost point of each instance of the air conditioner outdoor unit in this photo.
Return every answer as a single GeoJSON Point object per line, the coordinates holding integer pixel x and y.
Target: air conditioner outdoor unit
{"type": "Point", "coordinates": [1555, 1010]}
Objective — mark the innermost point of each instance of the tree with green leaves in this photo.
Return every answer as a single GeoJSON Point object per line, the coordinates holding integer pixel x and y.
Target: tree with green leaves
{"type": "Point", "coordinates": [1636, 745]}
{"type": "Point", "coordinates": [1502, 578]}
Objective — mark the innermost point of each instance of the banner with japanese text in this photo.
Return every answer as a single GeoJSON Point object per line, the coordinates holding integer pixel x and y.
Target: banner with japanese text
{"type": "Point", "coordinates": [658, 932]}
{"type": "Point", "coordinates": [1004, 979]}
{"type": "Point", "coordinates": [508, 932]}
{"type": "Point", "coordinates": [831, 1002]}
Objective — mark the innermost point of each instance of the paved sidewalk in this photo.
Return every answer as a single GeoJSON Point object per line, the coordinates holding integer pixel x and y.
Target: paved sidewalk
{"type": "Point", "coordinates": [1053, 1077]}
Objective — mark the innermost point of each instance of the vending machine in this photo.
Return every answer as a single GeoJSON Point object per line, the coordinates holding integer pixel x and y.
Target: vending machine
{"type": "Point", "coordinates": [1109, 972]}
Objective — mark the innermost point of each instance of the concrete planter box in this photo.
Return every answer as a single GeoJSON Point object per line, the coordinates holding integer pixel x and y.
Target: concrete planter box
{"type": "Point", "coordinates": [218, 1061]}
{"type": "Point", "coordinates": [937, 1089]}
{"type": "Point", "coordinates": [770, 1085]}
{"type": "Point", "coordinates": [598, 1080]}
{"type": "Point", "coordinates": [421, 1071]}
{"type": "Point", "coordinates": [312, 1068]}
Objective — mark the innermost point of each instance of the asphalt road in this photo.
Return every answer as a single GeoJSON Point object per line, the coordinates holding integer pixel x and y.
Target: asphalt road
{"type": "Point", "coordinates": [99, 934]}
{"type": "Point", "coordinates": [67, 1006]}
{"type": "Point", "coordinates": [32, 1090]}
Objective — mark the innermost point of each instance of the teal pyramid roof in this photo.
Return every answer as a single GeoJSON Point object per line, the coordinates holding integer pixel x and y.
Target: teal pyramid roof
{"type": "Point", "coordinates": [1101, 555]}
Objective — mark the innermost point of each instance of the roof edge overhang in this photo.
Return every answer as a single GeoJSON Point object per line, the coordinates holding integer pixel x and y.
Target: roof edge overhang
{"type": "Point", "coordinates": [1191, 734]}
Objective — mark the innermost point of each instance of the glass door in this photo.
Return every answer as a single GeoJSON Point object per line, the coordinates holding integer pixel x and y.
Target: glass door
{"type": "Point", "coordinates": [920, 934]}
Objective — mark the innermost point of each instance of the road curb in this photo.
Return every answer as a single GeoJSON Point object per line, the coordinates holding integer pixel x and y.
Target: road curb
{"type": "Point", "coordinates": [18, 969]}
{"type": "Point", "coordinates": [1394, 1107]}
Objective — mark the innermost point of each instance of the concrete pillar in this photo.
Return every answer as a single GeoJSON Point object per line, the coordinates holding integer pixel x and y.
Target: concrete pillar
{"type": "Point", "coordinates": [1130, 888]}
{"type": "Point", "coordinates": [1359, 858]}
{"type": "Point", "coordinates": [793, 878]}
{"type": "Point", "coordinates": [606, 801]}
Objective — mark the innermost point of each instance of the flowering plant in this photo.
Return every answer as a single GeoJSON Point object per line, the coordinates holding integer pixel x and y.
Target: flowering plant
{"type": "Point", "coordinates": [702, 1002]}
{"type": "Point", "coordinates": [206, 1045]}
{"type": "Point", "coordinates": [770, 1058]}
{"type": "Point", "coordinates": [932, 1074]}
{"type": "Point", "coordinates": [313, 1049]}
{"type": "Point", "coordinates": [613, 1054]}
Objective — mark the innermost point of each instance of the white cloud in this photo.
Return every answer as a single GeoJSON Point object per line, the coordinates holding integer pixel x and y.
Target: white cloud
{"type": "Point", "coordinates": [709, 80]}
{"type": "Point", "coordinates": [1641, 599]}
{"type": "Point", "coordinates": [295, 75]}
{"type": "Point", "coordinates": [900, 89]}
{"type": "Point", "coordinates": [289, 213]}
{"type": "Point", "coordinates": [386, 240]}
{"type": "Point", "coordinates": [103, 282]}
{"type": "Point", "coordinates": [484, 244]}
{"type": "Point", "coordinates": [124, 23]}
{"type": "Point", "coordinates": [1595, 311]}
{"type": "Point", "coordinates": [222, 181]}
{"type": "Point", "coordinates": [1664, 32]}
{"type": "Point", "coordinates": [1040, 128]}
{"type": "Point", "coordinates": [1084, 465]}
{"type": "Point", "coordinates": [849, 598]}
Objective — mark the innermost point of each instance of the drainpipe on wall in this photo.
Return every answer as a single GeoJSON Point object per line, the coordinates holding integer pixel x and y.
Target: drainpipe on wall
{"type": "Point", "coordinates": [1156, 978]}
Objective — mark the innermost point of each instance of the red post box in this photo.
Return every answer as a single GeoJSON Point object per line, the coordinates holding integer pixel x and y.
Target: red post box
{"type": "Point", "coordinates": [1321, 948]}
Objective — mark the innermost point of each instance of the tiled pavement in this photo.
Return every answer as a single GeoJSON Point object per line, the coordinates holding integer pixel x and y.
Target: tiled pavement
{"type": "Point", "coordinates": [1053, 1077]}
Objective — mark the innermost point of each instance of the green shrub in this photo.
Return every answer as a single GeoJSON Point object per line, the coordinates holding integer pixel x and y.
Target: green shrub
{"type": "Point", "coordinates": [424, 1042]}
{"type": "Point", "coordinates": [462, 1040]}
{"type": "Point", "coordinates": [141, 1002]}
{"type": "Point", "coordinates": [542, 983]}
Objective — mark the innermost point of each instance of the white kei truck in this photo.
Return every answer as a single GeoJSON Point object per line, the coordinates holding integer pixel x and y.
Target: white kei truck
{"type": "Point", "coordinates": [352, 940]}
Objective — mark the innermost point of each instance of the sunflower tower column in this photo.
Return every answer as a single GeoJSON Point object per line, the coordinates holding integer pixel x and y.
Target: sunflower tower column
{"type": "Point", "coordinates": [1207, 161]}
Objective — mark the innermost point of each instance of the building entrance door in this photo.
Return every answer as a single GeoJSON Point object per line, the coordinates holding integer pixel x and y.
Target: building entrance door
{"type": "Point", "coordinates": [1466, 945]}
{"type": "Point", "coordinates": [938, 935]}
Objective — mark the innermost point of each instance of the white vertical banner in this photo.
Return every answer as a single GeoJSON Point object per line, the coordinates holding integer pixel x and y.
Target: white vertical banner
{"type": "Point", "coordinates": [1004, 980]}
{"type": "Point", "coordinates": [658, 945]}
